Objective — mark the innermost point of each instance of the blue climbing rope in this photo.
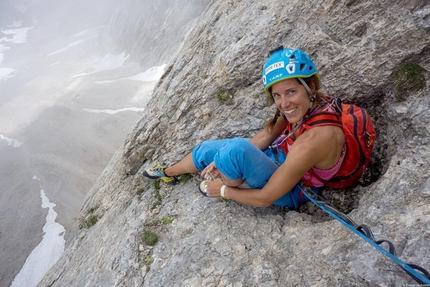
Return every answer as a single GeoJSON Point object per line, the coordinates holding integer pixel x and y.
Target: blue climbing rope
{"type": "Point", "coordinates": [364, 232]}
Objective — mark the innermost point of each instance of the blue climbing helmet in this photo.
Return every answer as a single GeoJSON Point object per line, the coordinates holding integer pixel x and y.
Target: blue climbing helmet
{"type": "Point", "coordinates": [287, 63]}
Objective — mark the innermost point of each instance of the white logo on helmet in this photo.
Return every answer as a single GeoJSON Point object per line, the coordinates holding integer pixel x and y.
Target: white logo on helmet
{"type": "Point", "coordinates": [291, 68]}
{"type": "Point", "coordinates": [264, 80]}
{"type": "Point", "coordinates": [275, 77]}
{"type": "Point", "coordinates": [289, 52]}
{"type": "Point", "coordinates": [274, 66]}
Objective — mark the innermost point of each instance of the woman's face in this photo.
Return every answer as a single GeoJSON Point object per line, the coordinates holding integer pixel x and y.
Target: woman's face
{"type": "Point", "coordinates": [291, 99]}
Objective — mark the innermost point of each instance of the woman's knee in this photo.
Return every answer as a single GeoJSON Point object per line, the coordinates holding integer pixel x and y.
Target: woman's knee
{"type": "Point", "coordinates": [232, 158]}
{"type": "Point", "coordinates": [236, 145]}
{"type": "Point", "coordinates": [204, 153]}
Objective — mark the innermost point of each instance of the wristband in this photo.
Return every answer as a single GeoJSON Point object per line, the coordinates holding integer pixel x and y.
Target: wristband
{"type": "Point", "coordinates": [223, 191]}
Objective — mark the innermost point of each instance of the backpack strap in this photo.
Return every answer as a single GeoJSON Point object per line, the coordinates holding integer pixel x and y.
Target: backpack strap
{"type": "Point", "coordinates": [324, 118]}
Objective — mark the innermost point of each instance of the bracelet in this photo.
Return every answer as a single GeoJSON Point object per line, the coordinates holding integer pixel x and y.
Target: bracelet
{"type": "Point", "coordinates": [223, 191]}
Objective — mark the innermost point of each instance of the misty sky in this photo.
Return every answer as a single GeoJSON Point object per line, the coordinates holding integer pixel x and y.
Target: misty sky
{"type": "Point", "coordinates": [74, 77]}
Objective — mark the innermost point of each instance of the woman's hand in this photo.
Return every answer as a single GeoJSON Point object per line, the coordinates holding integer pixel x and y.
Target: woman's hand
{"type": "Point", "coordinates": [213, 188]}
{"type": "Point", "coordinates": [210, 172]}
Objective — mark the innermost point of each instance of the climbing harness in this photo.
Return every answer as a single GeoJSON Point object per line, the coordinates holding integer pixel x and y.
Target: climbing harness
{"type": "Point", "coordinates": [365, 232]}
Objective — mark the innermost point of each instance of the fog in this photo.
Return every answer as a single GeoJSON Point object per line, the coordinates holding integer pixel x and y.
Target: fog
{"type": "Point", "coordinates": [74, 77]}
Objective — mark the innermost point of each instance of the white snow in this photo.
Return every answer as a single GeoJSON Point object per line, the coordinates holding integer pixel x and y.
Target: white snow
{"type": "Point", "coordinates": [6, 73]}
{"type": "Point", "coordinates": [46, 253]}
{"type": "Point", "coordinates": [11, 142]}
{"type": "Point", "coordinates": [69, 46]}
{"type": "Point", "coordinates": [86, 34]}
{"type": "Point", "coordinates": [111, 62]}
{"type": "Point", "coordinates": [108, 62]}
{"type": "Point", "coordinates": [53, 64]}
{"type": "Point", "coordinates": [152, 74]}
{"type": "Point", "coordinates": [111, 112]}
{"type": "Point", "coordinates": [19, 36]}
{"type": "Point", "coordinates": [2, 49]}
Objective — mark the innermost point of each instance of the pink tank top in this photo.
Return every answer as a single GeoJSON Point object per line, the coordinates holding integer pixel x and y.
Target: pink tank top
{"type": "Point", "coordinates": [323, 174]}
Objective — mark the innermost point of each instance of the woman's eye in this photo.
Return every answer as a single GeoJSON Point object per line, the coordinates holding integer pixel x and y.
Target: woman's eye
{"type": "Point", "coordinates": [276, 96]}
{"type": "Point", "coordinates": [291, 92]}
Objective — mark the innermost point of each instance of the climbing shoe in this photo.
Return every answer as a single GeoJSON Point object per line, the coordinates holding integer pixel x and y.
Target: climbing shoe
{"type": "Point", "coordinates": [202, 187]}
{"type": "Point", "coordinates": [157, 171]}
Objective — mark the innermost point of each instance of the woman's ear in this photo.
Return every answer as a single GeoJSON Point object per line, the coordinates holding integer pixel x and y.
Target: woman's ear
{"type": "Point", "coordinates": [313, 87]}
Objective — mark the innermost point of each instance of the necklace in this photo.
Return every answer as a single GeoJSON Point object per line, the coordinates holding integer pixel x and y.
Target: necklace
{"type": "Point", "coordinates": [298, 123]}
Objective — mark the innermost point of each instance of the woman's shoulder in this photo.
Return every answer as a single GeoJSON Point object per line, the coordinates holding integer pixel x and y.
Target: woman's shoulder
{"type": "Point", "coordinates": [323, 134]}
{"type": "Point", "coordinates": [324, 143]}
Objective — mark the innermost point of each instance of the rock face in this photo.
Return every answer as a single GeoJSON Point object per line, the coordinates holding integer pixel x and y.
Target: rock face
{"type": "Point", "coordinates": [144, 28]}
{"type": "Point", "coordinates": [360, 48]}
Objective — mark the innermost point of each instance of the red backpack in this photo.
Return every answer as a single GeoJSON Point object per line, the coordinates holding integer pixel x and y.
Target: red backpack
{"type": "Point", "coordinates": [359, 135]}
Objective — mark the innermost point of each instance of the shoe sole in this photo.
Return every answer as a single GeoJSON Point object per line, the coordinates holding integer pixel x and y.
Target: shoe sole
{"type": "Point", "coordinates": [173, 181]}
{"type": "Point", "coordinates": [202, 187]}
{"type": "Point", "coordinates": [145, 174]}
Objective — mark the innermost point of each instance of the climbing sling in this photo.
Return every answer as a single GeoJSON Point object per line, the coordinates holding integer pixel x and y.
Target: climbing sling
{"type": "Point", "coordinates": [364, 232]}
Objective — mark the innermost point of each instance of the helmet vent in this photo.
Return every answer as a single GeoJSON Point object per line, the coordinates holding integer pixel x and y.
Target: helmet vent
{"type": "Point", "coordinates": [286, 63]}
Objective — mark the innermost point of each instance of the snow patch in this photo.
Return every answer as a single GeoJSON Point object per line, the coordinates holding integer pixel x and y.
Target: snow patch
{"type": "Point", "coordinates": [69, 46]}
{"type": "Point", "coordinates": [19, 36]}
{"type": "Point", "coordinates": [11, 142]}
{"type": "Point", "coordinates": [108, 62]}
{"type": "Point", "coordinates": [111, 112]}
{"type": "Point", "coordinates": [6, 73]}
{"type": "Point", "coordinates": [47, 252]}
{"type": "Point", "coordinates": [152, 74]}
{"type": "Point", "coordinates": [56, 63]}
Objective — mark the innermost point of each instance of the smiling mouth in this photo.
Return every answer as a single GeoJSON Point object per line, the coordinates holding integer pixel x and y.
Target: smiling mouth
{"type": "Point", "coordinates": [289, 111]}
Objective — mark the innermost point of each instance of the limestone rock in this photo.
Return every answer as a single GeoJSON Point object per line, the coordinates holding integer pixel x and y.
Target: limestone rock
{"type": "Point", "coordinates": [358, 46]}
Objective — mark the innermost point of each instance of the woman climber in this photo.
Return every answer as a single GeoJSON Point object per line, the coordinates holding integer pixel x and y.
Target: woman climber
{"type": "Point", "coordinates": [287, 155]}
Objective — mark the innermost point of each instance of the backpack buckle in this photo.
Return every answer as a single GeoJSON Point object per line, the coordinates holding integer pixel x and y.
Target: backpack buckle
{"type": "Point", "coordinates": [367, 139]}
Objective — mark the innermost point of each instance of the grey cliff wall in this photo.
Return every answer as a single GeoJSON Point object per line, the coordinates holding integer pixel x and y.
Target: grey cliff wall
{"type": "Point", "coordinates": [151, 31]}
{"type": "Point", "coordinates": [359, 47]}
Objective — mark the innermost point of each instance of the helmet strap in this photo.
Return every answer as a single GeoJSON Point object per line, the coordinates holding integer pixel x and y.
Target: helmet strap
{"type": "Point", "coordinates": [311, 96]}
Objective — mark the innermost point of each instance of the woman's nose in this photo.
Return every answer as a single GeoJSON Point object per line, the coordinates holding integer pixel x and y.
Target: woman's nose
{"type": "Point", "coordinates": [284, 101]}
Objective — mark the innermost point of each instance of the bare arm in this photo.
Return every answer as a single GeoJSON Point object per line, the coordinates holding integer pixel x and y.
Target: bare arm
{"type": "Point", "coordinates": [320, 147]}
{"type": "Point", "coordinates": [263, 139]}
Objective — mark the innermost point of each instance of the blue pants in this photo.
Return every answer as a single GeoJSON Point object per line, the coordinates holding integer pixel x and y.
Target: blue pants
{"type": "Point", "coordinates": [239, 159]}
